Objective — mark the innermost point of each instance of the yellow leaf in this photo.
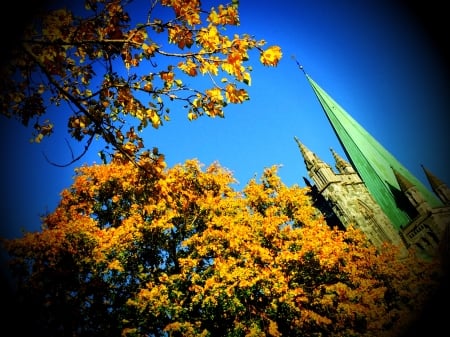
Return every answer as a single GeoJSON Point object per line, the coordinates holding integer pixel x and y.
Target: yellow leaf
{"type": "Point", "coordinates": [247, 79]}
{"type": "Point", "coordinates": [271, 56]}
{"type": "Point", "coordinates": [192, 116]}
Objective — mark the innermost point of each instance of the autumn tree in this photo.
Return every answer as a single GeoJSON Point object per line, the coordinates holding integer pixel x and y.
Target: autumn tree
{"type": "Point", "coordinates": [116, 67]}
{"type": "Point", "coordinates": [179, 252]}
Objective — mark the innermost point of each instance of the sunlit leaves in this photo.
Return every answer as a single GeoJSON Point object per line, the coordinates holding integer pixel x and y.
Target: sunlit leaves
{"type": "Point", "coordinates": [235, 95]}
{"type": "Point", "coordinates": [271, 56]}
{"type": "Point", "coordinates": [224, 16]}
{"type": "Point", "coordinates": [181, 36]}
{"type": "Point", "coordinates": [209, 38]}
{"type": "Point", "coordinates": [177, 250]}
{"type": "Point", "coordinates": [185, 10]}
{"type": "Point", "coordinates": [111, 72]}
{"type": "Point", "coordinates": [189, 67]}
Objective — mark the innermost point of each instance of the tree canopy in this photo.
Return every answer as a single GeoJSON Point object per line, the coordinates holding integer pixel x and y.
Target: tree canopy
{"type": "Point", "coordinates": [178, 252]}
{"type": "Point", "coordinates": [112, 71]}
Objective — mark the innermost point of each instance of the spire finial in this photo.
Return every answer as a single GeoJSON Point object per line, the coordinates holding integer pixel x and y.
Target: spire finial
{"type": "Point", "coordinates": [300, 145]}
{"type": "Point", "coordinates": [299, 65]}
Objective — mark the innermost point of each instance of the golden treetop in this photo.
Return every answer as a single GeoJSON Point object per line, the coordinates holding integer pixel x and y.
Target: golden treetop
{"type": "Point", "coordinates": [179, 251]}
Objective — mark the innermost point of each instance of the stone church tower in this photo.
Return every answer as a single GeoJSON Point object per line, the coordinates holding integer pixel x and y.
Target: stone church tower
{"type": "Point", "coordinates": [349, 198]}
{"type": "Point", "coordinates": [373, 191]}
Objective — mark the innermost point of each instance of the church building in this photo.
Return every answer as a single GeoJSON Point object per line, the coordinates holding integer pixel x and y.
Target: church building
{"type": "Point", "coordinates": [374, 192]}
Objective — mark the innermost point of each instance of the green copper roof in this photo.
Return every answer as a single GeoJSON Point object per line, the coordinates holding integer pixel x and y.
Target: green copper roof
{"type": "Point", "coordinates": [370, 159]}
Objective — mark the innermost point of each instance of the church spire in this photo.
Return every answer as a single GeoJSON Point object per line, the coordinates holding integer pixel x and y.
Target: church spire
{"type": "Point", "coordinates": [370, 159]}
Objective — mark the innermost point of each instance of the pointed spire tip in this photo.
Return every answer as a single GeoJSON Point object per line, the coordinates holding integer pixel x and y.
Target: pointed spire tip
{"type": "Point", "coordinates": [298, 64]}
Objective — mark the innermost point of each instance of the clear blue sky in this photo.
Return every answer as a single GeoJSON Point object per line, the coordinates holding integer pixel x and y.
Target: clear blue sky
{"type": "Point", "coordinates": [375, 59]}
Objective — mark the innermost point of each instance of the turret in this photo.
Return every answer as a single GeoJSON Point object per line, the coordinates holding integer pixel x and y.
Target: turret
{"type": "Point", "coordinates": [342, 165]}
{"type": "Point", "coordinates": [320, 172]}
{"type": "Point", "coordinates": [412, 193]}
{"type": "Point", "coordinates": [439, 187]}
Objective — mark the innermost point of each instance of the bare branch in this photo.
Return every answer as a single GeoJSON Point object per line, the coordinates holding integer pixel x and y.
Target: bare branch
{"type": "Point", "coordinates": [74, 159]}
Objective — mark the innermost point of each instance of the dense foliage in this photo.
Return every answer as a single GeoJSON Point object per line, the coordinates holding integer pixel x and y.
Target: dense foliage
{"type": "Point", "coordinates": [179, 252]}
{"type": "Point", "coordinates": [115, 67]}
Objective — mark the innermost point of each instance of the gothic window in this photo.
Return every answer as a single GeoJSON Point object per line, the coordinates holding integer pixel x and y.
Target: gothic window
{"type": "Point", "coordinates": [369, 216]}
{"type": "Point", "coordinates": [321, 177]}
{"type": "Point", "coordinates": [432, 235]}
{"type": "Point", "coordinates": [428, 243]}
{"type": "Point", "coordinates": [419, 246]}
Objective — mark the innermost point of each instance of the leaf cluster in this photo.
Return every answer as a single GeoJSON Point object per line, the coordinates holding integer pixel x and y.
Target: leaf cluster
{"type": "Point", "coordinates": [111, 75]}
